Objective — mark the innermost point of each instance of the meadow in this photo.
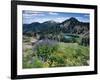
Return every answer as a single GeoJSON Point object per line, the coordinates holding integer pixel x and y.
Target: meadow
{"type": "Point", "coordinates": [49, 53]}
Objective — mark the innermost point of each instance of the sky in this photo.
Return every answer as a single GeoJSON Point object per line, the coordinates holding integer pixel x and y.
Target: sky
{"type": "Point", "coordinates": [29, 16]}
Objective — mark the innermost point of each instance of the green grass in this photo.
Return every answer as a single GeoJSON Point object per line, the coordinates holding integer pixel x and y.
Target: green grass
{"type": "Point", "coordinates": [67, 54]}
{"type": "Point", "coordinates": [76, 55]}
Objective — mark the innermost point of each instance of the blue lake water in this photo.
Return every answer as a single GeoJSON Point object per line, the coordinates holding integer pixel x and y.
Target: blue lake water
{"type": "Point", "coordinates": [68, 37]}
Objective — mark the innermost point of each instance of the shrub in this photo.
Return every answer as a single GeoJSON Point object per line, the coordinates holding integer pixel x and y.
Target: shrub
{"type": "Point", "coordinates": [45, 48]}
{"type": "Point", "coordinates": [37, 63]}
{"type": "Point", "coordinates": [32, 63]}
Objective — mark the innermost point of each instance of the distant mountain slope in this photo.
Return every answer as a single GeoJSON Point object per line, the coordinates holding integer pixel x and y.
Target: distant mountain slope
{"type": "Point", "coordinates": [71, 25]}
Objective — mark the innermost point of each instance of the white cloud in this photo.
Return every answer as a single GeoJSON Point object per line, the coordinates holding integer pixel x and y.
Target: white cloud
{"type": "Point", "coordinates": [86, 15]}
{"type": "Point", "coordinates": [82, 19]}
{"type": "Point", "coordinates": [79, 17]}
{"type": "Point", "coordinates": [53, 13]}
{"type": "Point", "coordinates": [60, 19]}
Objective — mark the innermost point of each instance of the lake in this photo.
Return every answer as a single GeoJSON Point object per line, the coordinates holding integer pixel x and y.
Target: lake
{"type": "Point", "coordinates": [68, 37]}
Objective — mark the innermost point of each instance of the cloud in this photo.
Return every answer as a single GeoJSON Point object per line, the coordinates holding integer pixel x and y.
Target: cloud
{"type": "Point", "coordinates": [83, 19]}
{"type": "Point", "coordinates": [60, 19]}
{"type": "Point", "coordinates": [79, 17]}
{"type": "Point", "coordinates": [86, 15]}
{"type": "Point", "coordinates": [53, 13]}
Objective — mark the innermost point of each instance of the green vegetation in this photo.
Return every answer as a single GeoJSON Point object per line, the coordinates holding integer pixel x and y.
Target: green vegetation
{"type": "Point", "coordinates": [60, 55]}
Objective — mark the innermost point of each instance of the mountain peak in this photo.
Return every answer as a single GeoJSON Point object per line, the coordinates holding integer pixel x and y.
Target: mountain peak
{"type": "Point", "coordinates": [35, 23]}
{"type": "Point", "coordinates": [50, 21]}
{"type": "Point", "coordinates": [73, 19]}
